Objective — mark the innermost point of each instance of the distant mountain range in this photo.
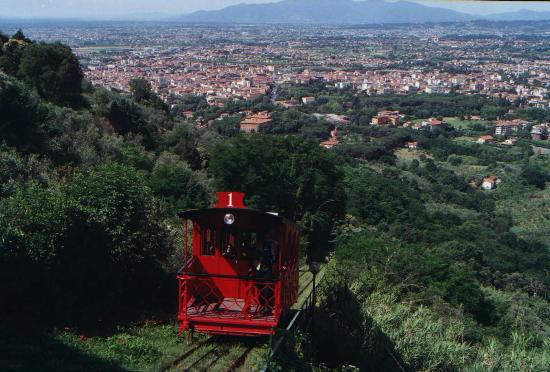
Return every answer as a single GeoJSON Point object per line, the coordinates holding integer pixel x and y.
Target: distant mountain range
{"type": "Point", "coordinates": [520, 15]}
{"type": "Point", "coordinates": [346, 12]}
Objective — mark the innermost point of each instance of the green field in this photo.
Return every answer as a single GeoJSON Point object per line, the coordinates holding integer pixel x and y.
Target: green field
{"type": "Point", "coordinates": [464, 124]}
{"type": "Point", "coordinates": [531, 214]}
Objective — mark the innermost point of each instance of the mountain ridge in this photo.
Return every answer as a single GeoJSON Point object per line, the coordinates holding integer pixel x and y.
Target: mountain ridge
{"type": "Point", "coordinates": [326, 11]}
{"type": "Point", "coordinates": [345, 12]}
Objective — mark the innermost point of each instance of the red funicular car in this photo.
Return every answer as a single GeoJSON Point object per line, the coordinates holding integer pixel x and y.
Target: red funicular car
{"type": "Point", "coordinates": [240, 273]}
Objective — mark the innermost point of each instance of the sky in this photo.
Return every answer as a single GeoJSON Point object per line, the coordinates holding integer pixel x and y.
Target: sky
{"type": "Point", "coordinates": [105, 9]}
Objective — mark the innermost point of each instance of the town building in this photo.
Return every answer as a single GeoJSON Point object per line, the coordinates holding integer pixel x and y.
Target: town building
{"type": "Point", "coordinates": [332, 141]}
{"type": "Point", "coordinates": [485, 139]}
{"type": "Point", "coordinates": [433, 123]}
{"type": "Point", "coordinates": [507, 127]}
{"type": "Point", "coordinates": [539, 132]}
{"type": "Point", "coordinates": [252, 122]}
{"type": "Point", "coordinates": [387, 118]}
{"type": "Point", "coordinates": [490, 183]}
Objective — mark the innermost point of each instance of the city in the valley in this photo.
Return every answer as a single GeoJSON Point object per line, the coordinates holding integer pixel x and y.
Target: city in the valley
{"type": "Point", "coordinates": [507, 62]}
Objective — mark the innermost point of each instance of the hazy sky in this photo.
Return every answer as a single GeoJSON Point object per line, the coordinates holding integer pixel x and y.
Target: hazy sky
{"type": "Point", "coordinates": [141, 8]}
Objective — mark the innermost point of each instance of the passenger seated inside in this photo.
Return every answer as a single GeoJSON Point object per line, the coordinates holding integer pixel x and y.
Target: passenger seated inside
{"type": "Point", "coordinates": [230, 253]}
{"type": "Point", "coordinates": [211, 249]}
{"type": "Point", "coordinates": [265, 262]}
{"type": "Point", "coordinates": [243, 252]}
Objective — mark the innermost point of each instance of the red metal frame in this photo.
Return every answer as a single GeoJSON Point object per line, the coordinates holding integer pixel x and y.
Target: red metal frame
{"type": "Point", "coordinates": [224, 294]}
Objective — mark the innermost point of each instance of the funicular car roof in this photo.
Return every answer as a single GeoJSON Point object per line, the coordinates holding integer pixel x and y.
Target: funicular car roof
{"type": "Point", "coordinates": [196, 214]}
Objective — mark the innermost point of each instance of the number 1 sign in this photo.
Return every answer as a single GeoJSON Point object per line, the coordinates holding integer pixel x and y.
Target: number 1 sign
{"type": "Point", "coordinates": [230, 199]}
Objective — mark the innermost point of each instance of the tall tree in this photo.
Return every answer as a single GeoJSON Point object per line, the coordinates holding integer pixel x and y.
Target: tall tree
{"type": "Point", "coordinates": [289, 175]}
{"type": "Point", "coordinates": [53, 70]}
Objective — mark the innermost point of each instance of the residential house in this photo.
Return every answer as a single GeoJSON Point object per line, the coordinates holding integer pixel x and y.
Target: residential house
{"type": "Point", "coordinates": [485, 139]}
{"type": "Point", "coordinates": [490, 183]}
{"type": "Point", "coordinates": [252, 122]}
{"type": "Point", "coordinates": [387, 118]}
{"type": "Point", "coordinates": [506, 127]}
{"type": "Point", "coordinates": [539, 132]}
{"type": "Point", "coordinates": [332, 141]}
{"type": "Point", "coordinates": [433, 123]}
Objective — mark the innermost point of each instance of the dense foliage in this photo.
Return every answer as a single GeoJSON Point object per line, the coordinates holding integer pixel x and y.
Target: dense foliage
{"type": "Point", "coordinates": [96, 237]}
{"type": "Point", "coordinates": [53, 70]}
{"type": "Point", "coordinates": [295, 177]}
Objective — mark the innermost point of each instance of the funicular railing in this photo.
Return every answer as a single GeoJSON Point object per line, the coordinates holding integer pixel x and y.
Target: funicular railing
{"type": "Point", "coordinates": [205, 295]}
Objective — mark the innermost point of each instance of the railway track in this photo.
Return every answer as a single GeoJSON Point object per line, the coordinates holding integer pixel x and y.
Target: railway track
{"type": "Point", "coordinates": [212, 354]}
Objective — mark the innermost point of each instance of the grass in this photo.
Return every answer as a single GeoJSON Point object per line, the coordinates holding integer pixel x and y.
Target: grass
{"type": "Point", "coordinates": [464, 124]}
{"type": "Point", "coordinates": [146, 347]}
{"type": "Point", "coordinates": [531, 214]}
{"type": "Point", "coordinates": [410, 154]}
{"type": "Point", "coordinates": [472, 171]}
{"type": "Point", "coordinates": [465, 139]}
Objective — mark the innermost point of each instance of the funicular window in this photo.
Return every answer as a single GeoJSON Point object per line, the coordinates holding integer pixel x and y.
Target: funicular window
{"type": "Point", "coordinates": [240, 245]}
{"type": "Point", "coordinates": [208, 238]}
{"type": "Point", "coordinates": [229, 244]}
{"type": "Point", "coordinates": [247, 245]}
{"type": "Point", "coordinates": [267, 258]}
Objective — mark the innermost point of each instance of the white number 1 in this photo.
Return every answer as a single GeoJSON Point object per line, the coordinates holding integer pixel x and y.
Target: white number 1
{"type": "Point", "coordinates": [230, 205]}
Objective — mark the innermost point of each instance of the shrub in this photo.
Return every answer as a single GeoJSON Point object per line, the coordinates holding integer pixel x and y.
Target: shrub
{"type": "Point", "coordinates": [98, 239]}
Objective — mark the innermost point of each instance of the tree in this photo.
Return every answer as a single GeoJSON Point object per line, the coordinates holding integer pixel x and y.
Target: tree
{"type": "Point", "coordinates": [296, 178]}
{"type": "Point", "coordinates": [141, 89]}
{"type": "Point", "coordinates": [20, 36]}
{"type": "Point", "coordinates": [10, 55]}
{"type": "Point", "coordinates": [493, 112]}
{"type": "Point", "coordinates": [128, 117]}
{"type": "Point", "coordinates": [143, 93]}
{"type": "Point", "coordinates": [173, 181]}
{"type": "Point", "coordinates": [53, 70]}
{"type": "Point", "coordinates": [535, 176]}
{"type": "Point", "coordinates": [377, 199]}
{"type": "Point", "coordinates": [72, 136]}
{"type": "Point", "coordinates": [21, 114]}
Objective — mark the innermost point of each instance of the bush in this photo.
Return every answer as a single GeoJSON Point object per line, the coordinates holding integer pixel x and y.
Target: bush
{"type": "Point", "coordinates": [98, 239]}
{"type": "Point", "coordinates": [21, 114]}
{"type": "Point", "coordinates": [173, 181]}
{"type": "Point", "coordinates": [535, 176]}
